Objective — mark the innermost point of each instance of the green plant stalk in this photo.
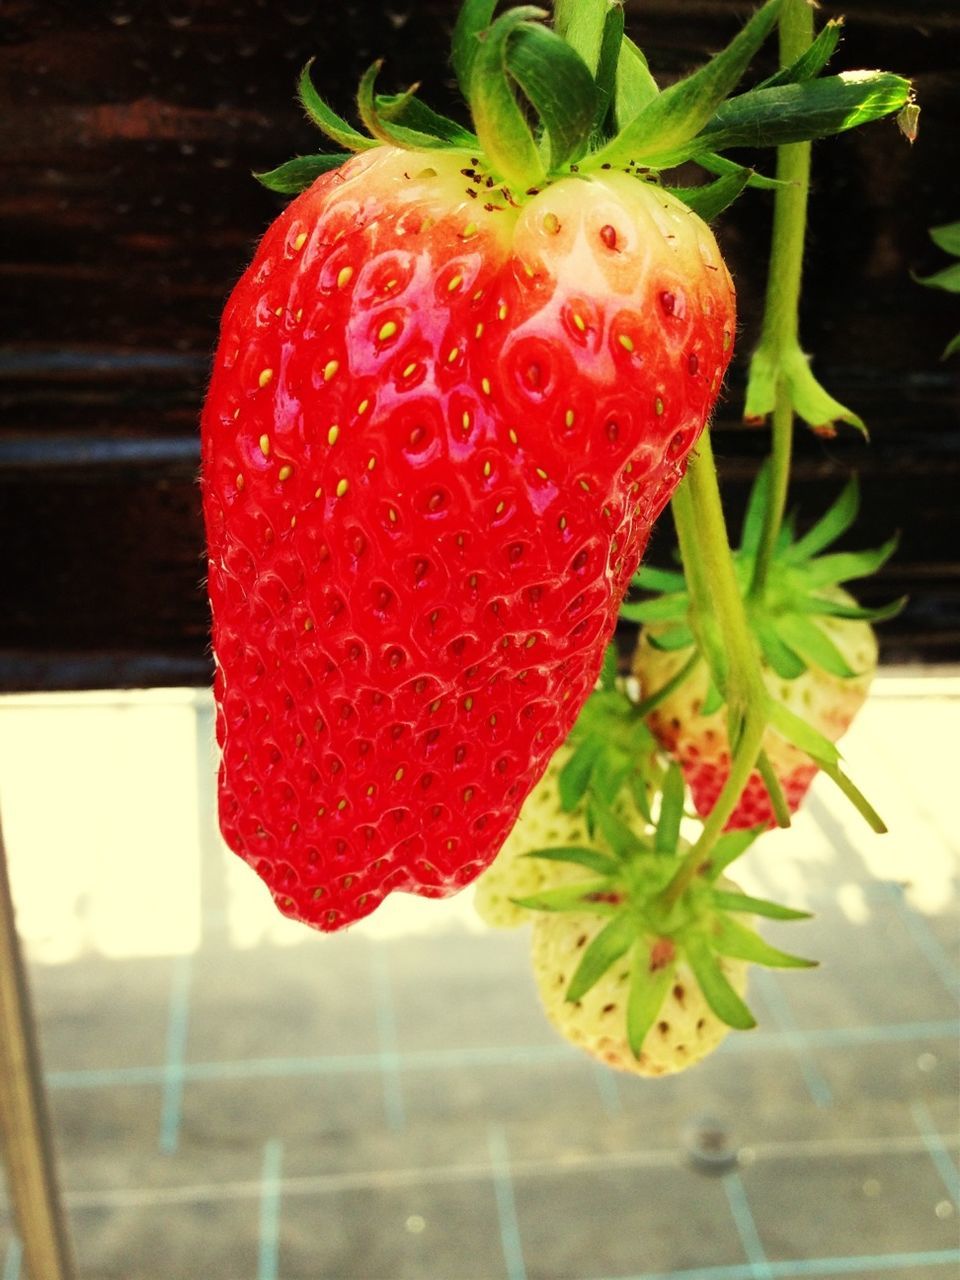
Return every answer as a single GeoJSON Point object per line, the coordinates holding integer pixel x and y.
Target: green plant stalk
{"type": "Point", "coordinates": [715, 592]}
{"type": "Point", "coordinates": [781, 317]}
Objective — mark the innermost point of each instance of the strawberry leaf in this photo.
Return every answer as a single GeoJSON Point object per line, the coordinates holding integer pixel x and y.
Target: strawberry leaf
{"type": "Point", "coordinates": [327, 120]}
{"type": "Point", "coordinates": [299, 173]}
{"type": "Point", "coordinates": [730, 846]}
{"type": "Point", "coordinates": [556, 80]}
{"type": "Point", "coordinates": [814, 646]}
{"type": "Point", "coordinates": [740, 943]}
{"type": "Point", "coordinates": [501, 126]}
{"type": "Point", "coordinates": [729, 901]}
{"type": "Point", "coordinates": [715, 985]}
{"type": "Point", "coordinates": [669, 121]}
{"type": "Point", "coordinates": [649, 985]}
{"type": "Point", "coordinates": [608, 671]}
{"type": "Point", "coordinates": [613, 941]}
{"type": "Point", "coordinates": [834, 522]}
{"type": "Point", "coordinates": [827, 571]}
{"type": "Point", "coordinates": [812, 61]}
{"type": "Point", "coordinates": [590, 895]}
{"type": "Point", "coordinates": [671, 811]}
{"type": "Point", "coordinates": [593, 859]}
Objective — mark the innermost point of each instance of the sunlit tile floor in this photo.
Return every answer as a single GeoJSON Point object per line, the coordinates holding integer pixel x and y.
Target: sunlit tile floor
{"type": "Point", "coordinates": [234, 1096]}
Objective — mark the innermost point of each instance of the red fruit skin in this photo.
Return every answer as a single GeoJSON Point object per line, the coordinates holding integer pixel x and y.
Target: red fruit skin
{"type": "Point", "coordinates": [430, 467]}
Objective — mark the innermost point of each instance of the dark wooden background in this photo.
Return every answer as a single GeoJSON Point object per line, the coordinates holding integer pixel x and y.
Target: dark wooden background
{"type": "Point", "coordinates": [128, 131]}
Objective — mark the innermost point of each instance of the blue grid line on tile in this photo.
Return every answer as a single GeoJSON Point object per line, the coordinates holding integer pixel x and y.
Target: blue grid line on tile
{"type": "Point", "coordinates": [389, 1057]}
{"type": "Point", "coordinates": [268, 1240]}
{"type": "Point", "coordinates": [178, 1020]}
{"type": "Point", "coordinates": [817, 1086]}
{"type": "Point", "coordinates": [507, 1055]}
{"type": "Point", "coordinates": [938, 1152]}
{"type": "Point", "coordinates": [506, 1204]}
{"type": "Point", "coordinates": [11, 1264]}
{"type": "Point", "coordinates": [746, 1226]}
{"type": "Point", "coordinates": [923, 936]}
{"type": "Point", "coordinates": [860, 1264]}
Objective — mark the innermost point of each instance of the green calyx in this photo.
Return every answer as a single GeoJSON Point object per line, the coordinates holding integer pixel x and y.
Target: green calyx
{"type": "Point", "coordinates": [548, 101]}
{"type": "Point", "coordinates": [629, 874]}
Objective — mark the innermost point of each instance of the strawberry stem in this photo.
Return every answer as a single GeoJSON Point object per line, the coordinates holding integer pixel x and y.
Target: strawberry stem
{"type": "Point", "coordinates": [781, 313]}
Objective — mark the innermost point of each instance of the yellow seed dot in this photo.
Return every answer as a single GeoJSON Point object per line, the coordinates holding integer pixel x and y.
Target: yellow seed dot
{"type": "Point", "coordinates": [485, 386]}
{"type": "Point", "coordinates": [308, 624]}
{"type": "Point", "coordinates": [530, 642]}
{"type": "Point", "coordinates": [372, 462]}
{"type": "Point", "coordinates": [342, 487]}
{"type": "Point", "coordinates": [265, 376]}
{"type": "Point", "coordinates": [568, 417]}
{"type": "Point", "coordinates": [387, 330]}
{"type": "Point", "coordinates": [265, 446]}
{"type": "Point", "coordinates": [318, 493]}
{"type": "Point", "coordinates": [390, 285]}
{"type": "Point", "coordinates": [399, 774]}
{"type": "Point", "coordinates": [625, 341]}
{"type": "Point", "coordinates": [502, 313]}
{"type": "Point", "coordinates": [492, 721]}
{"type": "Point", "coordinates": [726, 340]}
{"type": "Point", "coordinates": [468, 704]}
{"type": "Point", "coordinates": [343, 276]}
{"type": "Point", "coordinates": [293, 522]}
{"type": "Point", "coordinates": [321, 811]}
{"type": "Point", "coordinates": [299, 315]}
{"type": "Point", "coordinates": [341, 805]}
{"type": "Point", "coordinates": [393, 515]}
{"type": "Point", "coordinates": [541, 473]}
{"type": "Point", "coordinates": [240, 480]}
{"type": "Point", "coordinates": [658, 406]}
{"type": "Point", "coordinates": [469, 230]}
{"type": "Point", "coordinates": [584, 486]}
{"type": "Point", "coordinates": [329, 369]}
{"type": "Point", "coordinates": [467, 794]}
{"type": "Point", "coordinates": [300, 241]}
{"type": "Point", "coordinates": [236, 414]}
{"type": "Point", "coordinates": [452, 354]}
{"type": "Point", "coordinates": [551, 224]}
{"type": "Point", "coordinates": [371, 789]}
{"type": "Point", "coordinates": [455, 283]}
{"type": "Point", "coordinates": [466, 420]}
{"type": "Point", "coordinates": [562, 522]}
{"type": "Point", "coordinates": [528, 270]}
{"type": "Point", "coordinates": [478, 295]}
{"type": "Point", "coordinates": [500, 508]}
{"type": "Point", "coordinates": [363, 406]}
{"type": "Point", "coordinates": [332, 435]}
{"type": "Point", "coordinates": [279, 311]}
{"type": "Point", "coordinates": [513, 436]}
{"type": "Point", "coordinates": [478, 331]}
{"type": "Point", "coordinates": [487, 468]}
{"type": "Point", "coordinates": [286, 472]}
{"type": "Point", "coordinates": [409, 371]}
{"type": "Point", "coordinates": [579, 322]}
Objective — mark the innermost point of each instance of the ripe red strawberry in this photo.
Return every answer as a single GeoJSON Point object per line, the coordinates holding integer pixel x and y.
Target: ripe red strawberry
{"type": "Point", "coordinates": [447, 405]}
{"type": "Point", "coordinates": [819, 656]}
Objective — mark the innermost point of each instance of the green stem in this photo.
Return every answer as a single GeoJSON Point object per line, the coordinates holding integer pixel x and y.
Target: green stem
{"type": "Point", "coordinates": [580, 22]}
{"type": "Point", "coordinates": [781, 312]}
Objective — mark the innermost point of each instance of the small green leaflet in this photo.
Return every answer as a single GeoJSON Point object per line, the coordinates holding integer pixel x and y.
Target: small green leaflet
{"type": "Point", "coordinates": [778, 801]}
{"type": "Point", "coordinates": [730, 901]}
{"type": "Point", "coordinates": [820, 605]}
{"type": "Point", "coordinates": [648, 578]}
{"type": "Point", "coordinates": [556, 80]}
{"type": "Point", "coordinates": [606, 74]}
{"type": "Point", "coordinates": [948, 279]}
{"type": "Point", "coordinates": [740, 943]}
{"type": "Point", "coordinates": [814, 646]}
{"type": "Point", "coordinates": [826, 571]}
{"type": "Point", "coordinates": [296, 175]}
{"type": "Point", "coordinates": [613, 941]}
{"type": "Point", "coordinates": [777, 653]}
{"type": "Point", "coordinates": [591, 895]}
{"type": "Point", "coordinates": [947, 238]}
{"type": "Point", "coordinates": [334, 126]}
{"type": "Point", "coordinates": [834, 522]}
{"type": "Point", "coordinates": [710, 200]}
{"type": "Point", "coordinates": [715, 985]}
{"type": "Point", "coordinates": [802, 735]}
{"type": "Point", "coordinates": [408, 110]}
{"type": "Point", "coordinates": [502, 129]}
{"type": "Point", "coordinates": [474, 17]}
{"type": "Point", "coordinates": [667, 608]}
{"type": "Point", "coordinates": [721, 166]}
{"type": "Point", "coordinates": [730, 846]}
{"type": "Point", "coordinates": [579, 855]}
{"type": "Point", "coordinates": [753, 516]}
{"type": "Point", "coordinates": [812, 61]}
{"type": "Point", "coordinates": [648, 989]}
{"type": "Point", "coordinates": [636, 87]}
{"type": "Point", "coordinates": [574, 778]}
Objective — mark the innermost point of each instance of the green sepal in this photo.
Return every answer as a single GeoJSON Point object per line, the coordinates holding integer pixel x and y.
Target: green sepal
{"type": "Point", "coordinates": [581, 856]}
{"type": "Point", "coordinates": [660, 695]}
{"type": "Point", "coordinates": [812, 61]}
{"type": "Point", "coordinates": [818, 606]}
{"type": "Point", "coordinates": [948, 278]}
{"type": "Point", "coordinates": [752, 528]}
{"type": "Point", "coordinates": [730, 846]}
{"type": "Point", "coordinates": [714, 699]}
{"type": "Point", "coordinates": [473, 19]}
{"type": "Point", "coordinates": [648, 578]}
{"type": "Point", "coordinates": [574, 777]}
{"type": "Point", "coordinates": [709, 200]}
{"type": "Point", "coordinates": [674, 638]}
{"type": "Point", "coordinates": [795, 113]}
{"type": "Point", "coordinates": [607, 63]}
{"type": "Point", "coordinates": [591, 895]}
{"type": "Point", "coordinates": [814, 646]}
{"type": "Point", "coordinates": [667, 608]}
{"type": "Point", "coordinates": [386, 127]}
{"type": "Point", "coordinates": [296, 175]}
{"type": "Point", "coordinates": [952, 347]}
{"type": "Point", "coordinates": [778, 801]}
{"type": "Point", "coordinates": [778, 654]}
{"type": "Point", "coordinates": [636, 87]}
{"type": "Point", "coordinates": [728, 938]}
{"type": "Point", "coordinates": [502, 129]}
{"type": "Point", "coordinates": [410, 111]}
{"type": "Point", "coordinates": [648, 989]}
{"type": "Point", "coordinates": [613, 941]}
{"type": "Point", "coordinates": [716, 987]}
{"type": "Point", "coordinates": [721, 166]}
{"type": "Point", "coordinates": [618, 835]}
{"type": "Point", "coordinates": [856, 798]}
{"type": "Point", "coordinates": [671, 811]}
{"type": "Point", "coordinates": [671, 120]}
{"type": "Point", "coordinates": [811, 401]}
{"type": "Point", "coordinates": [803, 735]}
{"type": "Point", "coordinates": [947, 238]}
{"type": "Point", "coordinates": [831, 525]}
{"type": "Point", "coordinates": [841, 566]}
{"type": "Point", "coordinates": [558, 83]}
{"type": "Point", "coordinates": [326, 119]}
{"type": "Point", "coordinates": [726, 900]}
